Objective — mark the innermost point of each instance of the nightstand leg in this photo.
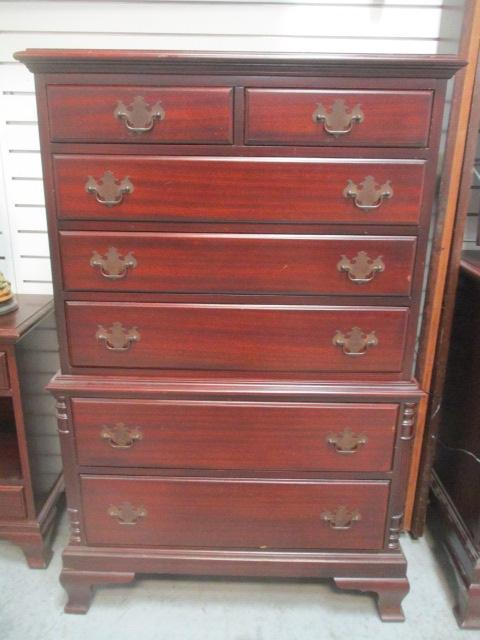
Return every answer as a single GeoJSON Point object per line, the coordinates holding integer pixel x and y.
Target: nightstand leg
{"type": "Point", "coordinates": [37, 554]}
{"type": "Point", "coordinates": [79, 586]}
{"type": "Point", "coordinates": [467, 610]}
{"type": "Point", "coordinates": [390, 593]}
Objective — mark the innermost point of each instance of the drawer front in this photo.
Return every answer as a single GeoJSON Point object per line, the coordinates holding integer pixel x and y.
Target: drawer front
{"type": "Point", "coordinates": [12, 503]}
{"type": "Point", "coordinates": [233, 513]}
{"type": "Point", "coordinates": [230, 435]}
{"type": "Point", "coordinates": [340, 118]}
{"type": "Point", "coordinates": [236, 337]}
{"type": "Point", "coordinates": [4, 379]}
{"type": "Point", "coordinates": [140, 114]}
{"type": "Point", "coordinates": [243, 264]}
{"type": "Point", "coordinates": [238, 189]}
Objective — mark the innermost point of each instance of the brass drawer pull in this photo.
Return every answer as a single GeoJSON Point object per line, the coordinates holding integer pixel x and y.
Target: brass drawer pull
{"type": "Point", "coordinates": [369, 195]}
{"type": "Point", "coordinates": [346, 442]}
{"type": "Point", "coordinates": [341, 519]}
{"type": "Point", "coordinates": [138, 116]}
{"type": "Point", "coordinates": [340, 119]}
{"type": "Point", "coordinates": [355, 342]}
{"type": "Point", "coordinates": [117, 338]}
{"type": "Point", "coordinates": [108, 190]}
{"type": "Point", "coordinates": [112, 265]}
{"type": "Point", "coordinates": [126, 513]}
{"type": "Point", "coordinates": [120, 436]}
{"type": "Point", "coordinates": [361, 269]}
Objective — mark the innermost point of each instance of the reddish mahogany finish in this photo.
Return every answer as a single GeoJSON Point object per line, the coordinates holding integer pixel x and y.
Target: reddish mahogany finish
{"type": "Point", "coordinates": [390, 118]}
{"type": "Point", "coordinates": [237, 263]}
{"type": "Point", "coordinates": [236, 337]}
{"type": "Point", "coordinates": [235, 513]}
{"type": "Point", "coordinates": [192, 114]}
{"type": "Point", "coordinates": [233, 384]}
{"type": "Point", "coordinates": [238, 189]}
{"type": "Point", "coordinates": [12, 503]}
{"type": "Point", "coordinates": [229, 435]}
{"type": "Point", "coordinates": [4, 381]}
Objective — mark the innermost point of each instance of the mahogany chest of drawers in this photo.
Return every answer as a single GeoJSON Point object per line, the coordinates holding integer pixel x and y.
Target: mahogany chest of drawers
{"type": "Point", "coordinates": [239, 246]}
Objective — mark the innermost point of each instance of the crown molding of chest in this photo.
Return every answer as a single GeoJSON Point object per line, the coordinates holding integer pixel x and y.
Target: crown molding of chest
{"type": "Point", "coordinates": [206, 62]}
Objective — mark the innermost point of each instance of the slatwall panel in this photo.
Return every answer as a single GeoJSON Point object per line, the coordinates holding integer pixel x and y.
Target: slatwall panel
{"type": "Point", "coordinates": [327, 26]}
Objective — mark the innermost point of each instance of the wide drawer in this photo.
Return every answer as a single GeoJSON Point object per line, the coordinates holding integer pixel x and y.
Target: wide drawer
{"type": "Point", "coordinates": [4, 380]}
{"type": "Point", "coordinates": [338, 118]}
{"type": "Point", "coordinates": [12, 503]}
{"type": "Point", "coordinates": [237, 263]}
{"type": "Point", "coordinates": [234, 513]}
{"type": "Point", "coordinates": [234, 435]}
{"type": "Point", "coordinates": [236, 337]}
{"type": "Point", "coordinates": [238, 189]}
{"type": "Point", "coordinates": [140, 114]}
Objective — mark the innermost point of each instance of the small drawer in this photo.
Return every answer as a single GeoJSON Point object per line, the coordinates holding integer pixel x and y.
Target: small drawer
{"type": "Point", "coordinates": [229, 435]}
{"type": "Point", "coordinates": [175, 115]}
{"type": "Point", "coordinates": [4, 379]}
{"type": "Point", "coordinates": [338, 118]}
{"type": "Point", "coordinates": [282, 190]}
{"type": "Point", "coordinates": [234, 513]}
{"type": "Point", "coordinates": [231, 337]}
{"type": "Point", "coordinates": [12, 503]}
{"type": "Point", "coordinates": [237, 263]}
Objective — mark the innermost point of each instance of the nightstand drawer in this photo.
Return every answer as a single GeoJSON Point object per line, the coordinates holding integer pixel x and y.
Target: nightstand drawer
{"type": "Point", "coordinates": [338, 118]}
{"type": "Point", "coordinates": [235, 513]}
{"type": "Point", "coordinates": [237, 263]}
{"type": "Point", "coordinates": [229, 435]}
{"type": "Point", "coordinates": [262, 190]}
{"type": "Point", "coordinates": [175, 115]}
{"type": "Point", "coordinates": [12, 503]}
{"type": "Point", "coordinates": [4, 379]}
{"type": "Point", "coordinates": [232, 337]}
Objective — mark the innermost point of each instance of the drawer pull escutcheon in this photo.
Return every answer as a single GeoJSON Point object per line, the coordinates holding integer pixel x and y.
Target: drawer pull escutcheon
{"type": "Point", "coordinates": [341, 518]}
{"type": "Point", "coordinates": [361, 269]}
{"type": "Point", "coordinates": [108, 190]}
{"type": "Point", "coordinates": [340, 119]}
{"type": "Point", "coordinates": [112, 265]}
{"type": "Point", "coordinates": [126, 513]}
{"type": "Point", "coordinates": [346, 442]}
{"type": "Point", "coordinates": [117, 338]}
{"type": "Point", "coordinates": [369, 195]}
{"type": "Point", "coordinates": [139, 117]}
{"type": "Point", "coordinates": [120, 436]}
{"type": "Point", "coordinates": [355, 342]}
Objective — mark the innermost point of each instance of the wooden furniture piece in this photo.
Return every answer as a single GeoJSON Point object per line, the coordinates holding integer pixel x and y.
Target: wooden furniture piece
{"type": "Point", "coordinates": [31, 482]}
{"type": "Point", "coordinates": [456, 475]}
{"type": "Point", "coordinates": [239, 245]}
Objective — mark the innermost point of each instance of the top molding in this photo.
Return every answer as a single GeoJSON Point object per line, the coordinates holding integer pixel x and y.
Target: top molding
{"type": "Point", "coordinates": [211, 62]}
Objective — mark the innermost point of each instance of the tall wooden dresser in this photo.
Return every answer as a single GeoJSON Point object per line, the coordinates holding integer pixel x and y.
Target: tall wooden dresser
{"type": "Point", "coordinates": [239, 245]}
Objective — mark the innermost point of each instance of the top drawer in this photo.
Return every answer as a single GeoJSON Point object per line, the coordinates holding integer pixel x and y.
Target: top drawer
{"type": "Point", "coordinates": [340, 118]}
{"type": "Point", "coordinates": [176, 115]}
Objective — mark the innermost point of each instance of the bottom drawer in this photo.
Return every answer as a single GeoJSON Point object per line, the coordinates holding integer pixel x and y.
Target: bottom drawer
{"type": "Point", "coordinates": [235, 513]}
{"type": "Point", "coordinates": [12, 503]}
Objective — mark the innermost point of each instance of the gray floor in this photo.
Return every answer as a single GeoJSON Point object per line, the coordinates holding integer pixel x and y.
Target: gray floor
{"type": "Point", "coordinates": [31, 606]}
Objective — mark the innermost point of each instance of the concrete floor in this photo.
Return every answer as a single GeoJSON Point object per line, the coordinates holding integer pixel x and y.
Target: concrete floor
{"type": "Point", "coordinates": [31, 606]}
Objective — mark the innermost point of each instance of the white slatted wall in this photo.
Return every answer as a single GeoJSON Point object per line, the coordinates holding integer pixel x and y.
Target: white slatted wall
{"type": "Point", "coordinates": [324, 26]}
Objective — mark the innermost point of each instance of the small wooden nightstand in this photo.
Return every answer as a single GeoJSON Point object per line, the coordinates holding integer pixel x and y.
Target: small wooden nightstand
{"type": "Point", "coordinates": [31, 480]}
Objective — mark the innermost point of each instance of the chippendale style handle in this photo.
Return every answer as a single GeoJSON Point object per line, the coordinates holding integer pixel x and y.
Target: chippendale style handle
{"type": "Point", "coordinates": [126, 513]}
{"type": "Point", "coordinates": [355, 342]}
{"type": "Point", "coordinates": [341, 518]}
{"type": "Point", "coordinates": [361, 269]}
{"type": "Point", "coordinates": [369, 194]}
{"type": "Point", "coordinates": [112, 265]}
{"type": "Point", "coordinates": [139, 117]}
{"type": "Point", "coordinates": [108, 190]}
{"type": "Point", "coordinates": [346, 442]}
{"type": "Point", "coordinates": [339, 120]}
{"type": "Point", "coordinates": [120, 436]}
{"type": "Point", "coordinates": [117, 338]}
